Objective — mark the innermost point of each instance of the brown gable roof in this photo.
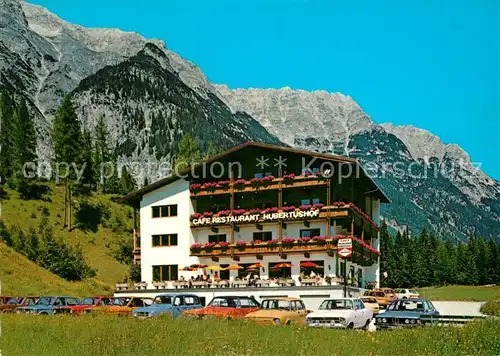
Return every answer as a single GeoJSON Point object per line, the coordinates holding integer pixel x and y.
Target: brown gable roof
{"type": "Point", "coordinates": [135, 196]}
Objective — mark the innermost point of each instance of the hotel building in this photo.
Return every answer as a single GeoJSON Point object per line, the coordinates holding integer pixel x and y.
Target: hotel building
{"type": "Point", "coordinates": [264, 205]}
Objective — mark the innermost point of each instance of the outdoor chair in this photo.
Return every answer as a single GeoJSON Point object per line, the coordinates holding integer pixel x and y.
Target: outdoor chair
{"type": "Point", "coordinates": [141, 285]}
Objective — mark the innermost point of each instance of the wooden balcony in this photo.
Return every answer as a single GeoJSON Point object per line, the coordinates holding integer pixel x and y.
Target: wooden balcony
{"type": "Point", "coordinates": [361, 255]}
{"type": "Point", "coordinates": [264, 249]}
{"type": "Point", "coordinates": [325, 213]}
{"type": "Point", "coordinates": [277, 183]}
{"type": "Point", "coordinates": [137, 247]}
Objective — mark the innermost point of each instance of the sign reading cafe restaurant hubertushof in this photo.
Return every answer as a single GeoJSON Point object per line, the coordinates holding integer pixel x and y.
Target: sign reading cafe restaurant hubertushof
{"type": "Point", "coordinates": [288, 215]}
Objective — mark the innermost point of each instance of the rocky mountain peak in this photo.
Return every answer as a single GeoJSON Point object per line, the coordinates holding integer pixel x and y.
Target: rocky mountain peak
{"type": "Point", "coordinates": [421, 143]}
{"type": "Point", "coordinates": [11, 14]}
{"type": "Point", "coordinates": [297, 116]}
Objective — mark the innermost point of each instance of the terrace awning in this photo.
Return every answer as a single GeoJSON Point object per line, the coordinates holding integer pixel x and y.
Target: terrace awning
{"type": "Point", "coordinates": [233, 267]}
{"type": "Point", "coordinates": [309, 264]}
{"type": "Point", "coordinates": [215, 268]}
{"type": "Point", "coordinates": [283, 265]}
{"type": "Point", "coordinates": [255, 266]}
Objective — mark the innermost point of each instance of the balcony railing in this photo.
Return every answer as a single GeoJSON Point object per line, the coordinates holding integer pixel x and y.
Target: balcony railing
{"type": "Point", "coordinates": [256, 184]}
{"type": "Point", "coordinates": [363, 253]}
{"type": "Point", "coordinates": [287, 213]}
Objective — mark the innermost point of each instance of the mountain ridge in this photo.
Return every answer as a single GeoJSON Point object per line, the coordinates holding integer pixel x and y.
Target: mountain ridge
{"type": "Point", "coordinates": [44, 57]}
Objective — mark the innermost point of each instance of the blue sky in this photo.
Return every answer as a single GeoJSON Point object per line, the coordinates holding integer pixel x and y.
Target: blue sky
{"type": "Point", "coordinates": [431, 64]}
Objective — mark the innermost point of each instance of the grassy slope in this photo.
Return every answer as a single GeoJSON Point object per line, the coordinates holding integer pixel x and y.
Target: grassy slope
{"type": "Point", "coordinates": [104, 335]}
{"type": "Point", "coordinates": [96, 246]}
{"type": "Point", "coordinates": [466, 293]}
{"type": "Point", "coordinates": [20, 276]}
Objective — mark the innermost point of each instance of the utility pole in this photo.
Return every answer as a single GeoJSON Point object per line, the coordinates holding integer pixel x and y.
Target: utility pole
{"type": "Point", "coordinates": [345, 277]}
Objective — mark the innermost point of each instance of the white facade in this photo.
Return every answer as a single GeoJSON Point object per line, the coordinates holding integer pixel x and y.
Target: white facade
{"type": "Point", "coordinates": [177, 193]}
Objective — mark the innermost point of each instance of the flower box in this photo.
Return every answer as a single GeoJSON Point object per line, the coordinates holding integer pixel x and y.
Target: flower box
{"type": "Point", "coordinates": [239, 184]}
{"type": "Point", "coordinates": [196, 216]}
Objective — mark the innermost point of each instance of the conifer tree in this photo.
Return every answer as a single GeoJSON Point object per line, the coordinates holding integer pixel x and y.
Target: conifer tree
{"type": "Point", "coordinates": [67, 134]}
{"type": "Point", "coordinates": [24, 141]}
{"type": "Point", "coordinates": [67, 142]}
{"type": "Point", "coordinates": [6, 139]}
{"type": "Point", "coordinates": [385, 251]}
{"type": "Point", "coordinates": [101, 152]}
{"type": "Point", "coordinates": [492, 263]}
{"type": "Point", "coordinates": [87, 159]}
{"type": "Point", "coordinates": [212, 150]}
{"type": "Point", "coordinates": [188, 155]}
{"type": "Point", "coordinates": [127, 182]}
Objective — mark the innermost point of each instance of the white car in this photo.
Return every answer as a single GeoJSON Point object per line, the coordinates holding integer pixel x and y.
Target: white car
{"type": "Point", "coordinates": [403, 293]}
{"type": "Point", "coordinates": [341, 313]}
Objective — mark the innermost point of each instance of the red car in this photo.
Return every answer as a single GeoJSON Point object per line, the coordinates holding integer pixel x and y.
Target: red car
{"type": "Point", "coordinates": [87, 304]}
{"type": "Point", "coordinates": [17, 302]}
{"type": "Point", "coordinates": [225, 308]}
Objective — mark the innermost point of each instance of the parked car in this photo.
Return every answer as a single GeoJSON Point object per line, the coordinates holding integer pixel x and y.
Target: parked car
{"type": "Point", "coordinates": [280, 311]}
{"type": "Point", "coordinates": [4, 299]}
{"type": "Point", "coordinates": [231, 307]}
{"type": "Point", "coordinates": [345, 313]}
{"type": "Point", "coordinates": [17, 302]}
{"type": "Point", "coordinates": [125, 306]}
{"type": "Point", "coordinates": [86, 305]}
{"type": "Point", "coordinates": [371, 303]}
{"type": "Point", "coordinates": [405, 313]}
{"type": "Point", "coordinates": [48, 305]}
{"type": "Point", "coordinates": [173, 304]}
{"type": "Point", "coordinates": [382, 300]}
{"type": "Point", "coordinates": [403, 293]}
{"type": "Point", "coordinates": [389, 293]}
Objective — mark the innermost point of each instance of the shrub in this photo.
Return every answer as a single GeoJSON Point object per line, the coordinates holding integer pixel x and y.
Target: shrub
{"type": "Point", "coordinates": [124, 250]}
{"type": "Point", "coordinates": [88, 216]}
{"type": "Point", "coordinates": [5, 235]}
{"type": "Point", "coordinates": [491, 308]}
{"type": "Point", "coordinates": [59, 258]}
{"type": "Point", "coordinates": [135, 272]}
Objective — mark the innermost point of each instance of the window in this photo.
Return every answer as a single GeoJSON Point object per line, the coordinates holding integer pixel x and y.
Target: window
{"type": "Point", "coordinates": [299, 305]}
{"type": "Point", "coordinates": [261, 175]}
{"type": "Point", "coordinates": [191, 300]}
{"type": "Point", "coordinates": [330, 304]}
{"type": "Point", "coordinates": [165, 273]}
{"type": "Point", "coordinates": [310, 232]}
{"type": "Point", "coordinates": [263, 204]}
{"type": "Point", "coordinates": [221, 302]}
{"type": "Point", "coordinates": [217, 238]}
{"type": "Point", "coordinates": [285, 272]}
{"type": "Point", "coordinates": [310, 201]}
{"type": "Point", "coordinates": [313, 170]}
{"type": "Point", "coordinates": [163, 211]}
{"type": "Point", "coordinates": [263, 235]}
{"type": "Point", "coordinates": [246, 303]}
{"type": "Point", "coordinates": [359, 304]}
{"type": "Point", "coordinates": [164, 240]}
{"type": "Point", "coordinates": [139, 303]}
{"type": "Point", "coordinates": [162, 299]}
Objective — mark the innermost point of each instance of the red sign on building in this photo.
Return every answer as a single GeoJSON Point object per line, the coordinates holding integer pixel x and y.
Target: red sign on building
{"type": "Point", "coordinates": [344, 248]}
